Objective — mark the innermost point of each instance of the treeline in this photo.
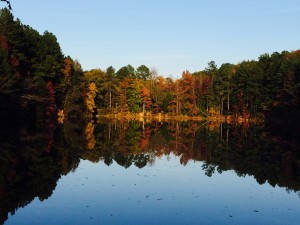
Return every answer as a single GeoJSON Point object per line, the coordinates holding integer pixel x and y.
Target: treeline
{"type": "Point", "coordinates": [249, 88]}
{"type": "Point", "coordinates": [41, 80]}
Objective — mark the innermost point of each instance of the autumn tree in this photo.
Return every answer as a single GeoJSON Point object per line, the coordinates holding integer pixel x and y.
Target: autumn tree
{"type": "Point", "coordinates": [147, 102]}
{"type": "Point", "coordinates": [90, 97]}
{"type": "Point", "coordinates": [98, 77]}
{"type": "Point", "coordinates": [175, 105]}
{"type": "Point", "coordinates": [188, 87]}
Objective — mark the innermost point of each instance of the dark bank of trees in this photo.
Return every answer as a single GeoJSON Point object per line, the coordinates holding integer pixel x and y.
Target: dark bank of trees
{"type": "Point", "coordinates": [37, 79]}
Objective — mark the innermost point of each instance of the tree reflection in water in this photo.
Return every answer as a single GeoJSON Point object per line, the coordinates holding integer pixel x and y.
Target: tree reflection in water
{"type": "Point", "coordinates": [33, 160]}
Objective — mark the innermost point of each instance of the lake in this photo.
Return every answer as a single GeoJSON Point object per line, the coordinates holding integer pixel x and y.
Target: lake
{"type": "Point", "coordinates": [130, 172]}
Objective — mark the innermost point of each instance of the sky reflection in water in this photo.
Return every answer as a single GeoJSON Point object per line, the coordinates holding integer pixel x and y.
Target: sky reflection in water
{"type": "Point", "coordinates": [164, 193]}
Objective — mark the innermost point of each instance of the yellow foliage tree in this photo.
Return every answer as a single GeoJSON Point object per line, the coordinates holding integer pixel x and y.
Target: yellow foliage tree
{"type": "Point", "coordinates": [90, 97]}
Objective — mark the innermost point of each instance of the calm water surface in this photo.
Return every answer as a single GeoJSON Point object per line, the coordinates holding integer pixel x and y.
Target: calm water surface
{"type": "Point", "coordinates": [151, 174]}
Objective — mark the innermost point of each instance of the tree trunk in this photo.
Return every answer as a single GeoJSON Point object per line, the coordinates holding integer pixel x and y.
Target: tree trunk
{"type": "Point", "coordinates": [228, 103]}
{"type": "Point", "coordinates": [109, 98]}
{"type": "Point", "coordinates": [221, 105]}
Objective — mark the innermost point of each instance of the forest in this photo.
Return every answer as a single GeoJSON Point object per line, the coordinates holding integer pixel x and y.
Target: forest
{"type": "Point", "coordinates": [38, 81]}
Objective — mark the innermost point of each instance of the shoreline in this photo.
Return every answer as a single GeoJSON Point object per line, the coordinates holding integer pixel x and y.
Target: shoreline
{"type": "Point", "coordinates": [182, 118]}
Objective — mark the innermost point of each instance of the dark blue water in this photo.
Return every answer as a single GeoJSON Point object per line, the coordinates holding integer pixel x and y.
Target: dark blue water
{"type": "Point", "coordinates": [148, 173]}
{"type": "Point", "coordinates": [165, 192]}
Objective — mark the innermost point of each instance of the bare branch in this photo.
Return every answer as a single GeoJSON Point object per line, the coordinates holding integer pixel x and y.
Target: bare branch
{"type": "Point", "coordinates": [8, 3]}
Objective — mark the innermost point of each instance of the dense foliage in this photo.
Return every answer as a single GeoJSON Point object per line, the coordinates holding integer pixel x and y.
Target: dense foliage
{"type": "Point", "coordinates": [34, 73]}
{"type": "Point", "coordinates": [269, 84]}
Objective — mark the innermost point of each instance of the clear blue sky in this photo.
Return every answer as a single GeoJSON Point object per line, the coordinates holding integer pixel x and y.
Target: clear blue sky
{"type": "Point", "coordinates": [170, 35]}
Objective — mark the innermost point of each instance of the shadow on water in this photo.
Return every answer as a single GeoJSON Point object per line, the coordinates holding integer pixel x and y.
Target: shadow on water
{"type": "Point", "coordinates": [34, 157]}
